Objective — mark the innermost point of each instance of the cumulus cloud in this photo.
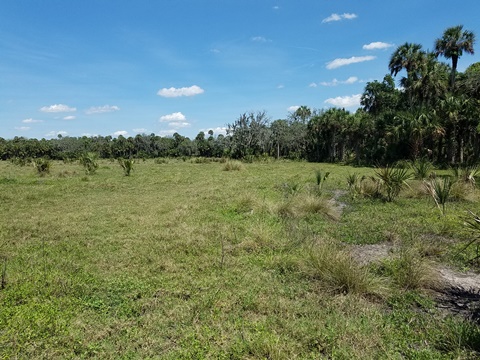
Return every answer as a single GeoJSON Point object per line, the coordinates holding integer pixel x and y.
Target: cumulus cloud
{"type": "Point", "coordinates": [120, 132]}
{"type": "Point", "coordinates": [31, 121]}
{"type": "Point", "coordinates": [338, 17]}
{"type": "Point", "coordinates": [312, 85]}
{"type": "Point", "coordinates": [176, 116]}
{"type": "Point", "coordinates": [179, 124]}
{"type": "Point", "coordinates": [101, 109]}
{"type": "Point", "coordinates": [70, 117]}
{"type": "Point", "coordinates": [345, 101]}
{"type": "Point", "coordinates": [335, 82]}
{"type": "Point", "coordinates": [58, 108]}
{"type": "Point", "coordinates": [343, 61]}
{"type": "Point", "coordinates": [293, 108]}
{"type": "Point", "coordinates": [177, 92]}
{"type": "Point", "coordinates": [22, 128]}
{"type": "Point", "coordinates": [377, 45]}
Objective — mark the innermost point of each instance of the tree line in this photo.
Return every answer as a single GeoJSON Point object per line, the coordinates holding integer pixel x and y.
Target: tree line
{"type": "Point", "coordinates": [433, 113]}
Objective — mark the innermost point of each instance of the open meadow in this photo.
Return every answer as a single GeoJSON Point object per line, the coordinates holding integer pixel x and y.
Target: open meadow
{"type": "Point", "coordinates": [202, 259]}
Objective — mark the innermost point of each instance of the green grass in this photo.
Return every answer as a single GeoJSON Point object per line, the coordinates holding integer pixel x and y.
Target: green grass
{"type": "Point", "coordinates": [183, 260]}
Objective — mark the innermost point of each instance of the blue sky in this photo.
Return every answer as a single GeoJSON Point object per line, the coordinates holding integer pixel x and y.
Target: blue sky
{"type": "Point", "coordinates": [98, 67]}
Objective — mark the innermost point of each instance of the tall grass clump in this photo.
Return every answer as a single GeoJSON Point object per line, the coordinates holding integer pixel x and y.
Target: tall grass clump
{"type": "Point", "coordinates": [338, 272]}
{"type": "Point", "coordinates": [89, 161]}
{"type": "Point", "coordinates": [233, 165]}
{"type": "Point", "coordinates": [422, 168]}
{"type": "Point", "coordinates": [42, 166]}
{"type": "Point", "coordinates": [467, 174]}
{"type": "Point", "coordinates": [440, 190]}
{"type": "Point", "coordinates": [393, 180]}
{"type": "Point", "coordinates": [320, 178]}
{"type": "Point", "coordinates": [409, 269]}
{"type": "Point", "coordinates": [127, 165]}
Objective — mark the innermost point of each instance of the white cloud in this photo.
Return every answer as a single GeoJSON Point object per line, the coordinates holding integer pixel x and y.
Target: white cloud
{"type": "Point", "coordinates": [293, 108]}
{"type": "Point", "coordinates": [259, 39]}
{"type": "Point", "coordinates": [89, 135]}
{"type": "Point", "coordinates": [70, 117]}
{"type": "Point", "coordinates": [312, 85]}
{"type": "Point", "coordinates": [217, 130]}
{"type": "Point", "coordinates": [22, 128]}
{"type": "Point", "coordinates": [280, 86]}
{"type": "Point", "coordinates": [345, 101]}
{"type": "Point", "coordinates": [31, 121]}
{"type": "Point", "coordinates": [335, 82]}
{"type": "Point", "coordinates": [56, 133]}
{"type": "Point", "coordinates": [176, 116]}
{"type": "Point", "coordinates": [120, 132]}
{"type": "Point", "coordinates": [343, 62]}
{"type": "Point", "coordinates": [101, 109]}
{"type": "Point", "coordinates": [377, 45]}
{"type": "Point", "coordinates": [140, 131]}
{"type": "Point", "coordinates": [178, 124]}
{"type": "Point", "coordinates": [58, 108]}
{"type": "Point", "coordinates": [276, 7]}
{"type": "Point", "coordinates": [337, 17]}
{"type": "Point", "coordinates": [184, 91]}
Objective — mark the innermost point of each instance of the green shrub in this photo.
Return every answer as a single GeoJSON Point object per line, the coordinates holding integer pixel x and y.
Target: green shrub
{"type": "Point", "coordinates": [42, 166]}
{"type": "Point", "coordinates": [392, 180]}
{"type": "Point", "coordinates": [439, 189]}
{"type": "Point", "coordinates": [422, 168]}
{"type": "Point", "coordinates": [89, 162]}
{"type": "Point", "coordinates": [127, 165]}
{"type": "Point", "coordinates": [233, 166]}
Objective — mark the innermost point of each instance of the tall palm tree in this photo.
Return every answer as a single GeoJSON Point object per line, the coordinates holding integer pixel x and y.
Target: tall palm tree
{"type": "Point", "coordinates": [407, 56]}
{"type": "Point", "coordinates": [452, 44]}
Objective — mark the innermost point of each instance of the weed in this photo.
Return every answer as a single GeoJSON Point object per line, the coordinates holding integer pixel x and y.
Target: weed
{"type": "Point", "coordinates": [339, 273]}
{"type": "Point", "coordinates": [393, 180]}
{"type": "Point", "coordinates": [233, 165]}
{"type": "Point", "coordinates": [42, 165]}
{"type": "Point", "coordinates": [439, 189]}
{"type": "Point", "coordinates": [89, 161]}
{"type": "Point", "coordinates": [127, 165]}
{"type": "Point", "coordinates": [422, 168]}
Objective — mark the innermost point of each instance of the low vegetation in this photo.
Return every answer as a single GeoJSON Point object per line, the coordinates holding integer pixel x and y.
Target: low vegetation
{"type": "Point", "coordinates": [185, 260]}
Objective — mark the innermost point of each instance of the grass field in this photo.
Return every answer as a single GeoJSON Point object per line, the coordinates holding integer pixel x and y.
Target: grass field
{"type": "Point", "coordinates": [185, 260]}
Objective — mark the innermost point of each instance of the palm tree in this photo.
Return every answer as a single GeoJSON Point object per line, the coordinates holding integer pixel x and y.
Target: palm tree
{"type": "Point", "coordinates": [452, 45]}
{"type": "Point", "coordinates": [407, 56]}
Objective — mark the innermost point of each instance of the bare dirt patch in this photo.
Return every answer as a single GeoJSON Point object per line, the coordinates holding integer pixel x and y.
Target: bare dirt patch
{"type": "Point", "coordinates": [459, 292]}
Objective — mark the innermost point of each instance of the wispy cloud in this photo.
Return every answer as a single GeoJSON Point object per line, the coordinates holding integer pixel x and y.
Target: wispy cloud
{"type": "Point", "coordinates": [70, 117]}
{"type": "Point", "coordinates": [101, 109]}
{"type": "Point", "coordinates": [339, 17]}
{"type": "Point", "coordinates": [22, 128]}
{"type": "Point", "coordinates": [140, 131]}
{"type": "Point", "coordinates": [31, 121]}
{"type": "Point", "coordinates": [335, 82]}
{"type": "Point", "coordinates": [52, 134]}
{"type": "Point", "coordinates": [57, 108]}
{"type": "Point", "coordinates": [377, 45]}
{"type": "Point", "coordinates": [347, 61]}
{"type": "Point", "coordinates": [184, 91]}
{"type": "Point", "coordinates": [120, 132]}
{"type": "Point", "coordinates": [259, 39]}
{"type": "Point", "coordinates": [345, 101]}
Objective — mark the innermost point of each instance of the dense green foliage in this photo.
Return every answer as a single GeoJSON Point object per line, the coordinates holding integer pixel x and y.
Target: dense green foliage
{"type": "Point", "coordinates": [434, 114]}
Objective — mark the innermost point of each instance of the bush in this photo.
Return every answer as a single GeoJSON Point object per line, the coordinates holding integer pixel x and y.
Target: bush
{"type": "Point", "coordinates": [42, 166]}
{"type": "Point", "coordinates": [89, 162]}
{"type": "Point", "coordinates": [127, 165]}
{"type": "Point", "coordinates": [233, 166]}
